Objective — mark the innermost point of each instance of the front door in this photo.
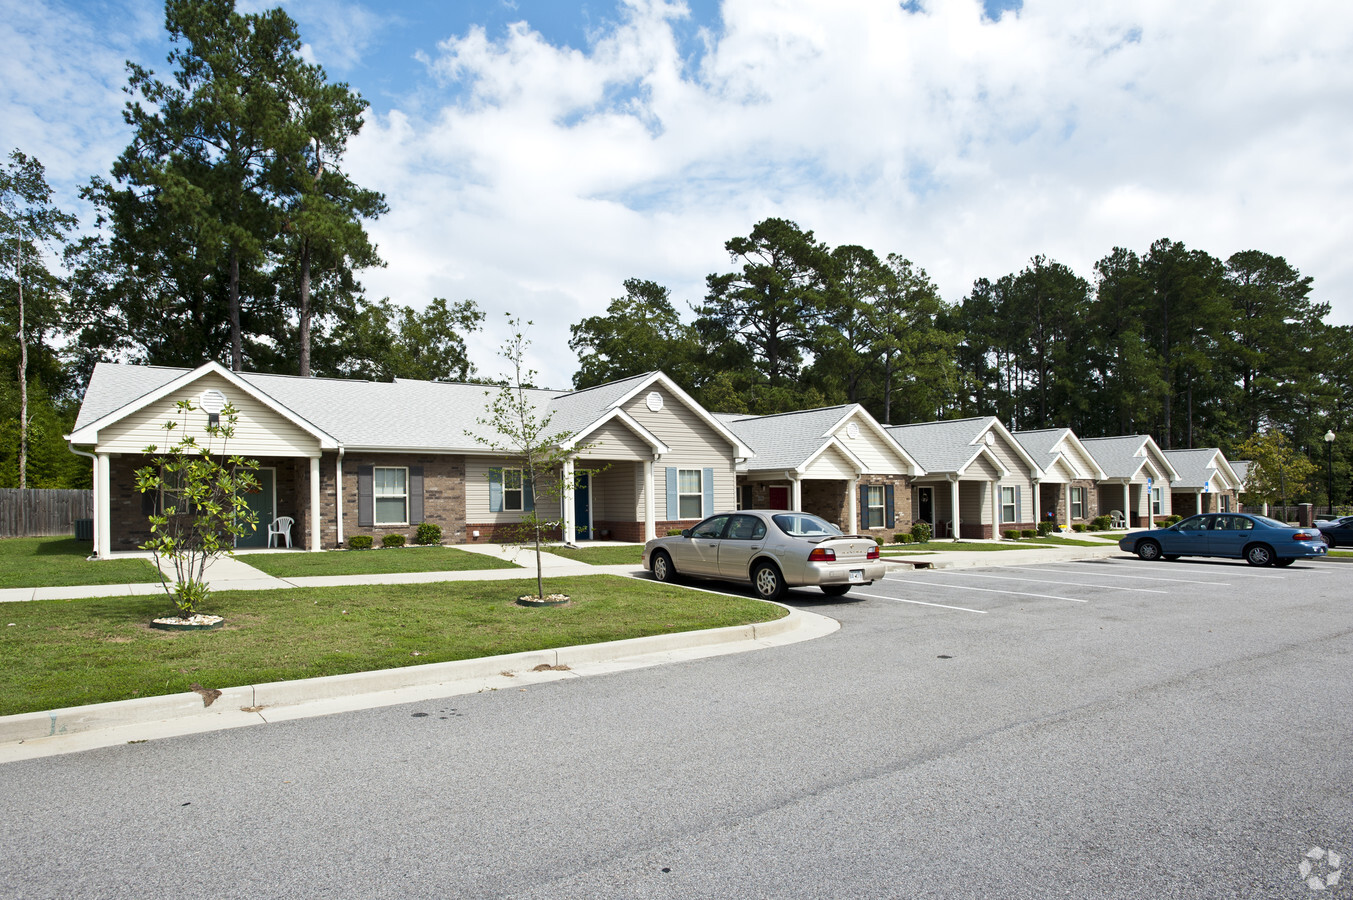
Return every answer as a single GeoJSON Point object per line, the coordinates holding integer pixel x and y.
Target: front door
{"type": "Point", "coordinates": [582, 507]}
{"type": "Point", "coordinates": [926, 502]}
{"type": "Point", "coordinates": [264, 505]}
{"type": "Point", "coordinates": [779, 497]}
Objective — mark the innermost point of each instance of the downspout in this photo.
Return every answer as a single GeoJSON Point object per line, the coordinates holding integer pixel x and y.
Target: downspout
{"type": "Point", "coordinates": [94, 480]}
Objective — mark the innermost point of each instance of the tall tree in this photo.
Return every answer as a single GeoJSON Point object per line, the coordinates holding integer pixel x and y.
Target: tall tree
{"type": "Point", "coordinates": [383, 341]}
{"type": "Point", "coordinates": [769, 307]}
{"type": "Point", "coordinates": [322, 207]}
{"type": "Point", "coordinates": [848, 329]}
{"type": "Point", "coordinates": [641, 332]}
{"type": "Point", "coordinates": [911, 347]}
{"type": "Point", "coordinates": [33, 297]}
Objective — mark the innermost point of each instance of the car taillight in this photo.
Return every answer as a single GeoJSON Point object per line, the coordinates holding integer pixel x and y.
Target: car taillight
{"type": "Point", "coordinates": [822, 554]}
{"type": "Point", "coordinates": [1305, 536]}
{"type": "Point", "coordinates": [873, 552]}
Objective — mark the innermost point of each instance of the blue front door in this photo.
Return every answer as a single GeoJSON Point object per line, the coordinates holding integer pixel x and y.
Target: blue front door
{"type": "Point", "coordinates": [582, 508]}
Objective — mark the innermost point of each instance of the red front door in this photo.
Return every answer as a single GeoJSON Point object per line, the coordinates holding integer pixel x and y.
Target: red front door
{"type": "Point", "coordinates": [779, 497]}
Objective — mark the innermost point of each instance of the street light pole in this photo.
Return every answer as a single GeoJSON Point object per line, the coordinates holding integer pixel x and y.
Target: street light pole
{"type": "Point", "coordinates": [1329, 469]}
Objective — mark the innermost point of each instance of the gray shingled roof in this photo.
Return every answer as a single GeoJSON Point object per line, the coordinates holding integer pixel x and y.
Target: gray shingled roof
{"type": "Point", "coordinates": [1192, 466]}
{"type": "Point", "coordinates": [787, 440]}
{"type": "Point", "coordinates": [1242, 469]}
{"type": "Point", "coordinates": [1117, 455]}
{"type": "Point", "coordinates": [941, 447]}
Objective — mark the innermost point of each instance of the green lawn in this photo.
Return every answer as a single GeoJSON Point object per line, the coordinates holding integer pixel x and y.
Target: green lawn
{"type": "Point", "coordinates": [55, 561]}
{"type": "Point", "coordinates": [73, 652]}
{"type": "Point", "coordinates": [945, 546]}
{"type": "Point", "coordinates": [602, 556]}
{"type": "Point", "coordinates": [1054, 540]}
{"type": "Point", "coordinates": [372, 562]}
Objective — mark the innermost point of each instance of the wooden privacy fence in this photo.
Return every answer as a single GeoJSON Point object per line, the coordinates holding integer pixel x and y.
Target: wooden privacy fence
{"type": "Point", "coordinates": [38, 512]}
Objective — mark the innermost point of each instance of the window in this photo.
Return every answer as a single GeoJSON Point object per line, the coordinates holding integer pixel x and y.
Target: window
{"type": "Point", "coordinates": [748, 496]}
{"type": "Point", "coordinates": [690, 494]}
{"type": "Point", "coordinates": [746, 528]}
{"type": "Point", "coordinates": [710, 529]}
{"type": "Point", "coordinates": [1155, 501]}
{"type": "Point", "coordinates": [873, 509]}
{"type": "Point", "coordinates": [1078, 503]}
{"type": "Point", "coordinates": [512, 490]}
{"type": "Point", "coordinates": [391, 487]}
{"type": "Point", "coordinates": [1225, 502]}
{"type": "Point", "coordinates": [1008, 511]}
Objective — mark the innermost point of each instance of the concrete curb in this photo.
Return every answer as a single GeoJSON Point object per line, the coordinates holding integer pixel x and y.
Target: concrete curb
{"type": "Point", "coordinates": [30, 735]}
{"type": "Point", "coordinates": [959, 559]}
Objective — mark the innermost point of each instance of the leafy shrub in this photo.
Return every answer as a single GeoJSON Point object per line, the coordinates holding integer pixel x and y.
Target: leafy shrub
{"type": "Point", "coordinates": [1171, 520]}
{"type": "Point", "coordinates": [920, 532]}
{"type": "Point", "coordinates": [359, 542]}
{"type": "Point", "coordinates": [673, 532]}
{"type": "Point", "coordinates": [902, 538]}
{"type": "Point", "coordinates": [392, 540]}
{"type": "Point", "coordinates": [1011, 534]}
{"type": "Point", "coordinates": [1079, 527]}
{"type": "Point", "coordinates": [1027, 533]}
{"type": "Point", "coordinates": [428, 534]}
{"type": "Point", "coordinates": [1100, 523]}
{"type": "Point", "coordinates": [1044, 528]}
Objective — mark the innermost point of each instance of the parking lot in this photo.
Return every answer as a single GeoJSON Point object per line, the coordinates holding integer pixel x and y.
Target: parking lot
{"type": "Point", "coordinates": [1105, 728]}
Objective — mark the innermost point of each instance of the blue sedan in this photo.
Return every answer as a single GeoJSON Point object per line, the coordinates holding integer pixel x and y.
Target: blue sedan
{"type": "Point", "coordinates": [1258, 540]}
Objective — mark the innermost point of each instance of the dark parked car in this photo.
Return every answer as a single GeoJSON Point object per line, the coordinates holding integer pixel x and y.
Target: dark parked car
{"type": "Point", "coordinates": [771, 549]}
{"type": "Point", "coordinates": [1258, 540]}
{"type": "Point", "coordinates": [1337, 532]}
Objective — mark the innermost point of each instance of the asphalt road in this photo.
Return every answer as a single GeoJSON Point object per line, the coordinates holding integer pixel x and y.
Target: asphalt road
{"type": "Point", "coordinates": [1054, 731]}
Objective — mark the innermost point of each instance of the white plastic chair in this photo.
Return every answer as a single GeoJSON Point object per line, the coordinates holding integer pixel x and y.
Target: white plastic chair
{"type": "Point", "coordinates": [1116, 519]}
{"type": "Point", "coordinates": [280, 527]}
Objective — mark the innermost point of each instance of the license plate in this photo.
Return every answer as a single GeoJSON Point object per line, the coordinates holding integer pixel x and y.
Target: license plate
{"type": "Point", "coordinates": [857, 575]}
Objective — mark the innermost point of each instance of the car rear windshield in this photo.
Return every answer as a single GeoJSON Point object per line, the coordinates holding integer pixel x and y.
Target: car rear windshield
{"type": "Point", "coordinates": [1271, 523]}
{"type": "Point", "coordinates": [804, 525]}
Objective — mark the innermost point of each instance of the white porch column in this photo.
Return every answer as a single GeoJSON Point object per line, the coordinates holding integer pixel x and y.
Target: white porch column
{"type": "Point", "coordinates": [314, 505]}
{"type": "Point", "coordinates": [1038, 513]}
{"type": "Point", "coordinates": [1127, 503]}
{"type": "Point", "coordinates": [1067, 491]}
{"type": "Point", "coordinates": [338, 497]}
{"type": "Point", "coordinates": [570, 527]}
{"type": "Point", "coordinates": [953, 508]}
{"type": "Point", "coordinates": [650, 507]}
{"type": "Point", "coordinates": [796, 500]}
{"type": "Point", "coordinates": [852, 507]}
{"type": "Point", "coordinates": [103, 506]}
{"type": "Point", "coordinates": [1197, 501]}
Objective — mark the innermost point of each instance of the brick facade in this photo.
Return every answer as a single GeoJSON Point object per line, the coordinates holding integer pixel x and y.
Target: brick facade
{"type": "Point", "coordinates": [1053, 498]}
{"type": "Point", "coordinates": [902, 506]}
{"type": "Point", "coordinates": [443, 496]}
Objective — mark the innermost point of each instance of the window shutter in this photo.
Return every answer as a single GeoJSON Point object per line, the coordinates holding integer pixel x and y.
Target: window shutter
{"type": "Point", "coordinates": [707, 508]}
{"type": "Point", "coordinates": [1019, 510]}
{"type": "Point", "coordinates": [863, 511]}
{"type": "Point", "coordinates": [495, 490]}
{"type": "Point", "coordinates": [415, 495]}
{"type": "Point", "coordinates": [889, 517]}
{"type": "Point", "coordinates": [366, 504]}
{"type": "Point", "coordinates": [528, 493]}
{"type": "Point", "coordinates": [671, 492]}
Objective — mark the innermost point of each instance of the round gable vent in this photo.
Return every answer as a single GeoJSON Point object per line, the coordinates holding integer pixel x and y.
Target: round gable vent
{"type": "Point", "coordinates": [990, 439]}
{"type": "Point", "coordinates": [852, 431]}
{"type": "Point", "coordinates": [654, 401]}
{"type": "Point", "coordinates": [212, 401]}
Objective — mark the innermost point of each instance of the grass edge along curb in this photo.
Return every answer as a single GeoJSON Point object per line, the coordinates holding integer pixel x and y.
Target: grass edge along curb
{"type": "Point", "coordinates": [252, 699]}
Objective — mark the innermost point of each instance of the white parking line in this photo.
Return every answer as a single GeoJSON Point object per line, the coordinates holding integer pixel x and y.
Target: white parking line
{"type": "Point", "coordinates": [1231, 571]}
{"type": "Point", "coordinates": [1045, 581]}
{"type": "Point", "coordinates": [964, 587]}
{"type": "Point", "coordinates": [917, 602]}
{"type": "Point", "coordinates": [1147, 578]}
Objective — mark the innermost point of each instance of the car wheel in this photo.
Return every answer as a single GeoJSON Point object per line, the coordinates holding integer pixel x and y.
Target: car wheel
{"type": "Point", "coordinates": [1148, 550]}
{"type": "Point", "coordinates": [1259, 555]}
{"type": "Point", "coordinates": [662, 568]}
{"type": "Point", "coordinates": [1329, 541]}
{"type": "Point", "coordinates": [835, 590]}
{"type": "Point", "coordinates": [769, 583]}
{"type": "Point", "coordinates": [1170, 557]}
{"type": "Point", "coordinates": [1285, 562]}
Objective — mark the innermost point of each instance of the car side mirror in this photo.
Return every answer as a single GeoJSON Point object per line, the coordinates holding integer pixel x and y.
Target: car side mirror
{"type": "Point", "coordinates": [685, 532]}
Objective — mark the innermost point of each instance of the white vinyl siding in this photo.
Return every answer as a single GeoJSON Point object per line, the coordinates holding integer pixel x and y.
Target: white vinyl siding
{"type": "Point", "coordinates": [390, 486]}
{"type": "Point", "coordinates": [693, 445]}
{"type": "Point", "coordinates": [259, 430]}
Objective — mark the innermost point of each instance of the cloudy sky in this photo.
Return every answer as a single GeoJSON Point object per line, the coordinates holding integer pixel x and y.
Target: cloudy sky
{"type": "Point", "coordinates": [536, 153]}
